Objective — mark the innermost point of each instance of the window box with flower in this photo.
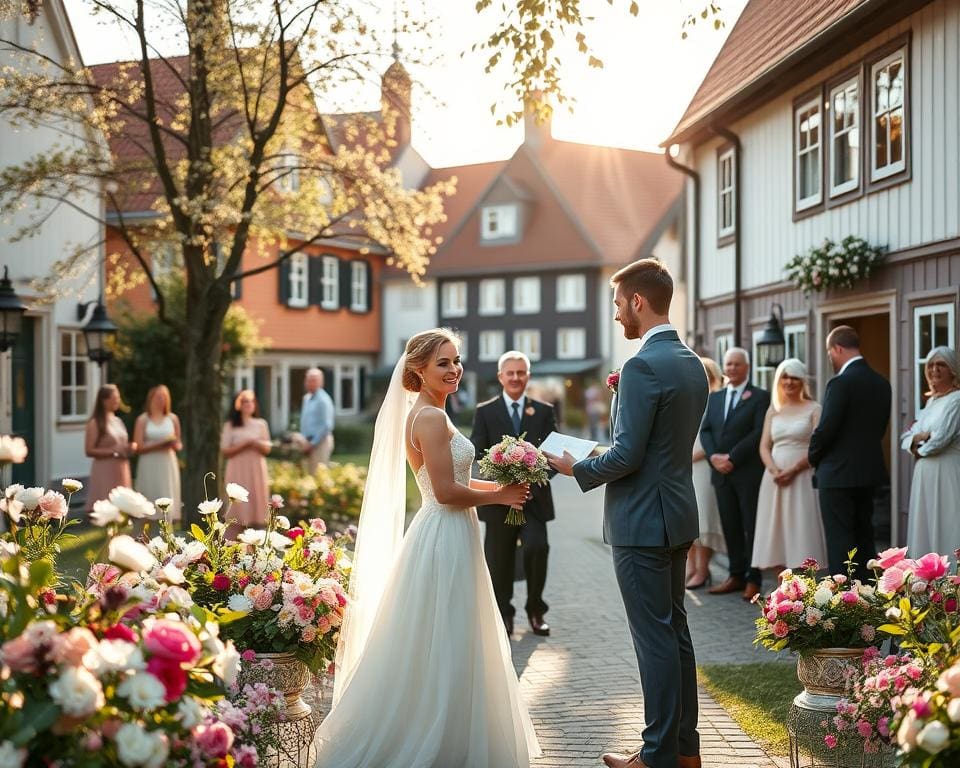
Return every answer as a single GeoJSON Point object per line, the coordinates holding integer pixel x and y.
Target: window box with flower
{"type": "Point", "coordinates": [833, 265]}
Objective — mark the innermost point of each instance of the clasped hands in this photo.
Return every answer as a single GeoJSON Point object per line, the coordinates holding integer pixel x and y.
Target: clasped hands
{"type": "Point", "coordinates": [721, 462]}
{"type": "Point", "coordinates": [918, 439]}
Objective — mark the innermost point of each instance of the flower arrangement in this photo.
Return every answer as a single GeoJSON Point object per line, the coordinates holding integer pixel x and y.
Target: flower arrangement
{"type": "Point", "coordinates": [334, 492]}
{"type": "Point", "coordinates": [805, 613]}
{"type": "Point", "coordinates": [928, 733]}
{"type": "Point", "coordinates": [613, 380]}
{"type": "Point", "coordinates": [514, 460]}
{"type": "Point", "coordinates": [833, 264]}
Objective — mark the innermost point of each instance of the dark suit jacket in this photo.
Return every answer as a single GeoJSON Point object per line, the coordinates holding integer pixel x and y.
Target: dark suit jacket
{"type": "Point", "coordinates": [738, 436]}
{"type": "Point", "coordinates": [649, 500]}
{"type": "Point", "coordinates": [845, 448]}
{"type": "Point", "coordinates": [491, 421]}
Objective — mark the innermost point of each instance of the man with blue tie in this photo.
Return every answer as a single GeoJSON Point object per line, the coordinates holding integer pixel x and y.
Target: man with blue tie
{"type": "Point", "coordinates": [514, 412]}
{"type": "Point", "coordinates": [316, 420]}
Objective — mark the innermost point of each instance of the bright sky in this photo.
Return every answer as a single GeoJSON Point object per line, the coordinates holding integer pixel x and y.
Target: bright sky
{"type": "Point", "coordinates": [649, 75]}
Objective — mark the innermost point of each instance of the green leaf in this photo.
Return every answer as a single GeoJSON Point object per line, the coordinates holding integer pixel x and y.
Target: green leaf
{"type": "Point", "coordinates": [892, 629]}
{"type": "Point", "coordinates": [37, 717]}
{"type": "Point", "coordinates": [40, 573]}
{"type": "Point", "coordinates": [197, 532]}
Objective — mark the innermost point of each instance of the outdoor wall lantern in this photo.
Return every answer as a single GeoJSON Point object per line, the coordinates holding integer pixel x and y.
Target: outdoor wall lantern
{"type": "Point", "coordinates": [772, 346]}
{"type": "Point", "coordinates": [98, 332]}
{"type": "Point", "coordinates": [11, 313]}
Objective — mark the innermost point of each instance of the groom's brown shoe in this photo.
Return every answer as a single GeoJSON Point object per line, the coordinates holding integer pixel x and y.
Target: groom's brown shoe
{"type": "Point", "coordinates": [728, 585]}
{"type": "Point", "coordinates": [615, 760]}
{"type": "Point", "coordinates": [686, 761]}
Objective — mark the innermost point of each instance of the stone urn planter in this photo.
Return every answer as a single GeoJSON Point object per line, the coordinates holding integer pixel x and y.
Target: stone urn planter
{"type": "Point", "coordinates": [824, 673]}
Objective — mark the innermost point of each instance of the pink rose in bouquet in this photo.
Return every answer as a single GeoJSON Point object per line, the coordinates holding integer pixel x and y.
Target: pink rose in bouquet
{"type": "Point", "coordinates": [514, 460]}
{"type": "Point", "coordinates": [613, 380]}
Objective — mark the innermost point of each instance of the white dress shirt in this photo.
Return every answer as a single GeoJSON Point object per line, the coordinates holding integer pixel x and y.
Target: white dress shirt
{"type": "Point", "coordinates": [847, 364]}
{"type": "Point", "coordinates": [654, 331]}
{"type": "Point", "coordinates": [509, 401]}
{"type": "Point", "coordinates": [730, 394]}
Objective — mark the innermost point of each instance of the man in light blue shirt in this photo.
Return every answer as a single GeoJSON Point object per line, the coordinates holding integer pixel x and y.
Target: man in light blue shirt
{"type": "Point", "coordinates": [316, 420]}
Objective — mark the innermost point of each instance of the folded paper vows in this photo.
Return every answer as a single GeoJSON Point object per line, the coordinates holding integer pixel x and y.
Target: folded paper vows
{"type": "Point", "coordinates": [557, 442]}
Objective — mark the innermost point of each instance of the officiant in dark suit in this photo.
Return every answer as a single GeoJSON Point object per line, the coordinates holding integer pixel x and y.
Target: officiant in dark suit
{"type": "Point", "coordinates": [730, 436]}
{"type": "Point", "coordinates": [513, 412]}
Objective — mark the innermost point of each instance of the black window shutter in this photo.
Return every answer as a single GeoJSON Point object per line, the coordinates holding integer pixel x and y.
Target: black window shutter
{"type": "Point", "coordinates": [362, 384]}
{"type": "Point", "coordinates": [315, 279]}
{"type": "Point", "coordinates": [345, 283]}
{"type": "Point", "coordinates": [283, 276]}
{"type": "Point", "coordinates": [369, 270]}
{"type": "Point", "coordinates": [328, 373]}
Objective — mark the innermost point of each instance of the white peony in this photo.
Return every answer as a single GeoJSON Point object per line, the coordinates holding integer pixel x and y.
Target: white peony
{"type": "Point", "coordinates": [139, 748]}
{"type": "Point", "coordinates": [240, 603]}
{"type": "Point", "coordinates": [210, 507]}
{"type": "Point", "coordinates": [10, 756]}
{"type": "Point", "coordinates": [30, 497]}
{"type": "Point", "coordinates": [283, 523]}
{"type": "Point", "coordinates": [252, 536]}
{"type": "Point", "coordinates": [822, 596]}
{"type": "Point", "coordinates": [143, 691]}
{"type": "Point", "coordinates": [236, 492]}
{"type": "Point", "coordinates": [104, 513]}
{"type": "Point", "coordinates": [114, 656]}
{"type": "Point", "coordinates": [227, 663]}
{"type": "Point", "coordinates": [933, 737]}
{"type": "Point", "coordinates": [953, 710]}
{"type": "Point", "coordinates": [78, 692]}
{"type": "Point", "coordinates": [131, 503]}
{"type": "Point", "coordinates": [13, 450]}
{"type": "Point", "coordinates": [70, 485]}
{"type": "Point", "coordinates": [176, 596]}
{"type": "Point", "coordinates": [130, 554]}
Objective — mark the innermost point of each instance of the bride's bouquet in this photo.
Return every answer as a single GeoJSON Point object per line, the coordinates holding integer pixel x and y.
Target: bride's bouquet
{"type": "Point", "coordinates": [513, 460]}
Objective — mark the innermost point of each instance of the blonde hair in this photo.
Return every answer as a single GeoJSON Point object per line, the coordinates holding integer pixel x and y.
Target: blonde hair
{"type": "Point", "coordinates": [714, 374]}
{"type": "Point", "coordinates": [421, 349]}
{"type": "Point", "coordinates": [789, 367]}
{"type": "Point", "coordinates": [167, 404]}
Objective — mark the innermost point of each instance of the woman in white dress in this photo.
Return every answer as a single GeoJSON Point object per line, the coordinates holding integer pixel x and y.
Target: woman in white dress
{"type": "Point", "coordinates": [789, 529]}
{"type": "Point", "coordinates": [424, 677]}
{"type": "Point", "coordinates": [711, 538]}
{"type": "Point", "coordinates": [157, 435]}
{"type": "Point", "coordinates": [934, 439]}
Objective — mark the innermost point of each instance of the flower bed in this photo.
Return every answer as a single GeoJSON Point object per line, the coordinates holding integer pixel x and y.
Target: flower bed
{"type": "Point", "coordinates": [333, 493]}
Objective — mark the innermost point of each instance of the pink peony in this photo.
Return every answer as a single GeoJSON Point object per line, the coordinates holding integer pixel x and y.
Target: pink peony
{"type": "Point", "coordinates": [890, 557]}
{"type": "Point", "coordinates": [931, 566]}
{"type": "Point", "coordinates": [892, 579]}
{"type": "Point", "coordinates": [214, 739]}
{"type": "Point", "coordinates": [780, 629]}
{"type": "Point", "coordinates": [52, 506]}
{"type": "Point", "coordinates": [172, 640]}
{"type": "Point", "coordinates": [530, 458]}
{"type": "Point", "coordinates": [515, 454]}
{"type": "Point", "coordinates": [171, 674]}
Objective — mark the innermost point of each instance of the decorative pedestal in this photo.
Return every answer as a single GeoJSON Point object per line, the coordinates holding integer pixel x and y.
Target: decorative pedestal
{"type": "Point", "coordinates": [294, 735]}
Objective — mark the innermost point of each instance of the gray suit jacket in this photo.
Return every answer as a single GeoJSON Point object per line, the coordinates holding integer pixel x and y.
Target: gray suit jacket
{"type": "Point", "coordinates": [649, 500]}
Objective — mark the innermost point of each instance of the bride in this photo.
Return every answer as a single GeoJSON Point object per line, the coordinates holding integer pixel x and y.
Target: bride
{"type": "Point", "coordinates": [424, 677]}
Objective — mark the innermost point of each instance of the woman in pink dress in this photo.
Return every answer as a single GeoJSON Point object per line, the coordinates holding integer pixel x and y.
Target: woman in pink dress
{"type": "Point", "coordinates": [245, 443]}
{"type": "Point", "coordinates": [106, 442]}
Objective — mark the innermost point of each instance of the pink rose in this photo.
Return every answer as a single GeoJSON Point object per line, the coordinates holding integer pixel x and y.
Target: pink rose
{"type": "Point", "coordinates": [172, 640]}
{"type": "Point", "coordinates": [214, 739]}
{"type": "Point", "coordinates": [20, 655]}
{"type": "Point", "coordinates": [496, 456]}
{"type": "Point", "coordinates": [516, 454]}
{"type": "Point", "coordinates": [780, 629]}
{"type": "Point", "coordinates": [323, 625]}
{"type": "Point", "coordinates": [890, 557]}
{"type": "Point", "coordinates": [892, 579]}
{"type": "Point", "coordinates": [530, 459]}
{"type": "Point", "coordinates": [318, 525]}
{"type": "Point", "coordinates": [850, 598]}
{"type": "Point", "coordinates": [72, 645]}
{"type": "Point", "coordinates": [613, 380]}
{"type": "Point", "coordinates": [931, 566]}
{"type": "Point", "coordinates": [52, 506]}
{"type": "Point", "coordinates": [171, 674]}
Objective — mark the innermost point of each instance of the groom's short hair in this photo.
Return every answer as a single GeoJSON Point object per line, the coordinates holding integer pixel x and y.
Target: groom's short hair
{"type": "Point", "coordinates": [651, 279]}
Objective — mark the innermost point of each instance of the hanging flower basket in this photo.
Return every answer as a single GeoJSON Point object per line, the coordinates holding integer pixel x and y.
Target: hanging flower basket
{"type": "Point", "coordinates": [834, 265]}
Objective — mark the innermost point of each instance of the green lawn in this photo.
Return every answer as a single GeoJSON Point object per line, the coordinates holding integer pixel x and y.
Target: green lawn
{"type": "Point", "coordinates": [76, 554]}
{"type": "Point", "coordinates": [757, 696]}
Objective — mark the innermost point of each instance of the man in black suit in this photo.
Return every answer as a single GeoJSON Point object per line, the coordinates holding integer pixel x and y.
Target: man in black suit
{"type": "Point", "coordinates": [513, 412]}
{"type": "Point", "coordinates": [846, 451]}
{"type": "Point", "coordinates": [730, 436]}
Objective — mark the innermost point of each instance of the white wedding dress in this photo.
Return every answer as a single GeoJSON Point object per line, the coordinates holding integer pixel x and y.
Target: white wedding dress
{"type": "Point", "coordinates": [435, 686]}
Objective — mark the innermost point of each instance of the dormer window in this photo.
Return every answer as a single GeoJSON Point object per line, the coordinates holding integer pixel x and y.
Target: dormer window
{"type": "Point", "coordinates": [498, 222]}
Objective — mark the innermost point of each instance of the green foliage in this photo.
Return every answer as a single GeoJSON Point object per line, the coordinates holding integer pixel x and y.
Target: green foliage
{"type": "Point", "coordinates": [356, 437]}
{"type": "Point", "coordinates": [333, 493]}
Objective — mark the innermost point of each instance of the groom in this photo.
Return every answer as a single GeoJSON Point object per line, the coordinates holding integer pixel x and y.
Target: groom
{"type": "Point", "coordinates": [650, 511]}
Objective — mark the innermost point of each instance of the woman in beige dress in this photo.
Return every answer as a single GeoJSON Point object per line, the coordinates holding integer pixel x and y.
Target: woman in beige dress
{"type": "Point", "coordinates": [245, 443]}
{"type": "Point", "coordinates": [789, 528]}
{"type": "Point", "coordinates": [157, 435]}
{"type": "Point", "coordinates": [106, 442]}
{"type": "Point", "coordinates": [711, 533]}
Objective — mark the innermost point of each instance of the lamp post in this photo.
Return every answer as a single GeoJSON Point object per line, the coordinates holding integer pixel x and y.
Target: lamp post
{"type": "Point", "coordinates": [98, 333]}
{"type": "Point", "coordinates": [11, 313]}
{"type": "Point", "coordinates": [772, 346]}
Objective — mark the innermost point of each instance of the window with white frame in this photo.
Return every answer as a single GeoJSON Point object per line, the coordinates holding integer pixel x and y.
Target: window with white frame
{"type": "Point", "coordinates": [498, 222]}
{"type": "Point", "coordinates": [527, 340]}
{"type": "Point", "coordinates": [807, 123]}
{"type": "Point", "coordinates": [491, 345]}
{"type": "Point", "coordinates": [845, 136]}
{"type": "Point", "coordinates": [243, 379]}
{"type": "Point", "coordinates": [411, 297]}
{"type": "Point", "coordinates": [571, 293]}
{"type": "Point", "coordinates": [453, 300]}
{"type": "Point", "coordinates": [571, 343]}
{"type": "Point", "coordinates": [796, 337]}
{"type": "Point", "coordinates": [760, 375]}
{"type": "Point", "coordinates": [74, 376]}
{"type": "Point", "coordinates": [526, 295]}
{"type": "Point", "coordinates": [288, 172]}
{"type": "Point", "coordinates": [726, 203]}
{"type": "Point", "coordinates": [358, 286]}
{"type": "Point", "coordinates": [464, 343]}
{"type": "Point", "coordinates": [492, 297]}
{"type": "Point", "coordinates": [888, 129]}
{"type": "Point", "coordinates": [330, 282]}
{"type": "Point", "coordinates": [933, 326]}
{"type": "Point", "coordinates": [722, 343]}
{"type": "Point", "coordinates": [347, 389]}
{"type": "Point", "coordinates": [299, 281]}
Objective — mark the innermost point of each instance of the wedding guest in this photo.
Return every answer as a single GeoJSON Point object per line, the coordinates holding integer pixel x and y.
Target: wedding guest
{"type": "Point", "coordinates": [934, 439]}
{"type": "Point", "coordinates": [731, 439]}
{"type": "Point", "coordinates": [245, 443]}
{"type": "Point", "coordinates": [106, 442]}
{"type": "Point", "coordinates": [789, 529]}
{"type": "Point", "coordinates": [316, 420]}
{"type": "Point", "coordinates": [711, 530]}
{"type": "Point", "coordinates": [157, 435]}
{"type": "Point", "coordinates": [846, 451]}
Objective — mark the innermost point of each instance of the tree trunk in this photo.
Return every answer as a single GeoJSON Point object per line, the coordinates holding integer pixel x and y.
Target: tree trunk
{"type": "Point", "coordinates": [203, 401]}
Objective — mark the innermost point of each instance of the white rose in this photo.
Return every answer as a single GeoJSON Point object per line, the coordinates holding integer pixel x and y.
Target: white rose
{"type": "Point", "coordinates": [139, 748]}
{"type": "Point", "coordinates": [240, 603]}
{"type": "Point", "coordinates": [822, 596]}
{"type": "Point", "coordinates": [953, 710]}
{"type": "Point", "coordinates": [131, 503]}
{"type": "Point", "coordinates": [10, 756]}
{"type": "Point", "coordinates": [283, 523]}
{"type": "Point", "coordinates": [227, 663]}
{"type": "Point", "coordinates": [78, 693]}
{"type": "Point", "coordinates": [236, 492]}
{"type": "Point", "coordinates": [30, 497]}
{"type": "Point", "coordinates": [176, 596]}
{"type": "Point", "coordinates": [143, 691]}
{"type": "Point", "coordinates": [114, 656]}
{"type": "Point", "coordinates": [130, 554]}
{"type": "Point", "coordinates": [190, 711]}
{"type": "Point", "coordinates": [279, 541]}
{"type": "Point", "coordinates": [907, 733]}
{"type": "Point", "coordinates": [13, 508]}
{"type": "Point", "coordinates": [70, 485]}
{"type": "Point", "coordinates": [13, 450]}
{"type": "Point", "coordinates": [210, 507]}
{"type": "Point", "coordinates": [194, 551]}
{"type": "Point", "coordinates": [934, 737]}
{"type": "Point", "coordinates": [252, 536]}
{"type": "Point", "coordinates": [104, 513]}
{"type": "Point", "coordinates": [171, 574]}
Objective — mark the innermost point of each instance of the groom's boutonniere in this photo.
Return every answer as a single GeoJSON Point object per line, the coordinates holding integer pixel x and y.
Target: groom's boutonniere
{"type": "Point", "coordinates": [613, 380]}
{"type": "Point", "coordinates": [529, 410]}
{"type": "Point", "coordinates": [747, 394]}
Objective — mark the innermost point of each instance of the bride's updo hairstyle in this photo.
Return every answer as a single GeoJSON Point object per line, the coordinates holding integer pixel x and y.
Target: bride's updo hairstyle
{"type": "Point", "coordinates": [421, 350]}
